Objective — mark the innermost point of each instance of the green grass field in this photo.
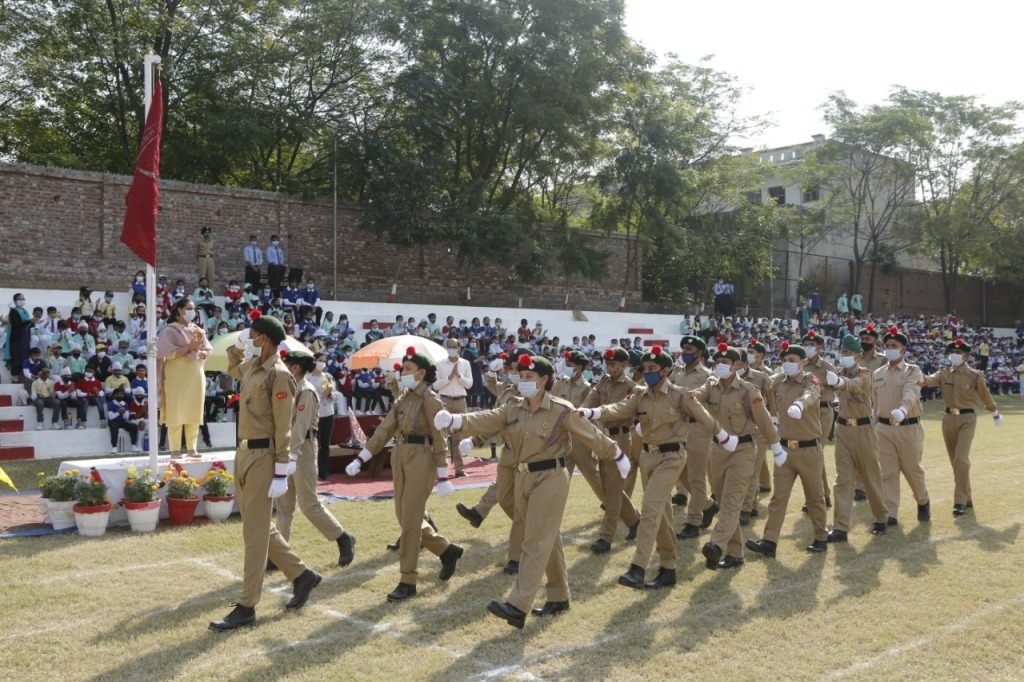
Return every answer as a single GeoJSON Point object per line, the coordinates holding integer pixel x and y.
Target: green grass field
{"type": "Point", "coordinates": [935, 601]}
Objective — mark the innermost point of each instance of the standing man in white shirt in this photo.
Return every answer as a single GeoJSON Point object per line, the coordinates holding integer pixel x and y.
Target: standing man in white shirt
{"type": "Point", "coordinates": [275, 264]}
{"type": "Point", "coordinates": [253, 261]}
{"type": "Point", "coordinates": [454, 379]}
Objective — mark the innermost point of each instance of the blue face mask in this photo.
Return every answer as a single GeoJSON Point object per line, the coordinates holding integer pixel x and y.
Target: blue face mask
{"type": "Point", "coordinates": [652, 378]}
{"type": "Point", "coordinates": [687, 358]}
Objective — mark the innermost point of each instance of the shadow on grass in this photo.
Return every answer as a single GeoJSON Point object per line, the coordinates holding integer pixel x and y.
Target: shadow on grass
{"type": "Point", "coordinates": [988, 538]}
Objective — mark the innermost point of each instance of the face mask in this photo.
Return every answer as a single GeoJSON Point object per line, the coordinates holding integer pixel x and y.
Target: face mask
{"type": "Point", "coordinates": [109, 299]}
{"type": "Point", "coordinates": [866, 347]}
{"type": "Point", "coordinates": [811, 351]}
{"type": "Point", "coordinates": [275, 242]}
{"type": "Point", "coordinates": [408, 381]}
{"type": "Point", "coordinates": [189, 315]}
{"type": "Point", "coordinates": [528, 389]}
{"type": "Point", "coordinates": [373, 328]}
{"type": "Point", "coordinates": [309, 286]}
{"type": "Point", "coordinates": [513, 379]}
{"type": "Point", "coordinates": [253, 242]}
{"type": "Point", "coordinates": [88, 375]}
{"type": "Point", "coordinates": [76, 317]}
{"type": "Point", "coordinates": [453, 352]}
{"type": "Point", "coordinates": [652, 378]}
{"type": "Point", "coordinates": [847, 361]}
{"type": "Point", "coordinates": [222, 330]}
{"type": "Point", "coordinates": [20, 302]}
{"type": "Point", "coordinates": [138, 278]}
{"type": "Point", "coordinates": [76, 355]}
{"type": "Point", "coordinates": [687, 358]}
{"type": "Point", "coordinates": [320, 366]}
{"type": "Point", "coordinates": [334, 335]}
{"type": "Point", "coordinates": [723, 370]}
{"type": "Point", "coordinates": [742, 372]}
{"type": "Point", "coordinates": [570, 372]}
{"type": "Point", "coordinates": [101, 354]}
{"type": "Point", "coordinates": [893, 354]}
{"type": "Point", "coordinates": [472, 345]}
{"type": "Point", "coordinates": [791, 369]}
{"type": "Point", "coordinates": [956, 359]}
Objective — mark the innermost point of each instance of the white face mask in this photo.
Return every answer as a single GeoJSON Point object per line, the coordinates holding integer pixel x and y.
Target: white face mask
{"type": "Point", "coordinates": [275, 242]}
{"type": "Point", "coordinates": [791, 369]}
{"type": "Point", "coordinates": [320, 366]}
{"type": "Point", "coordinates": [513, 379]}
{"type": "Point", "coordinates": [811, 351]}
{"type": "Point", "coordinates": [408, 381]}
{"type": "Point", "coordinates": [893, 354]}
{"type": "Point", "coordinates": [20, 302]}
{"type": "Point", "coordinates": [101, 354]}
{"type": "Point", "coordinates": [847, 361]}
{"type": "Point", "coordinates": [528, 389]}
{"type": "Point", "coordinates": [956, 359]}
{"type": "Point", "coordinates": [189, 315]}
{"type": "Point", "coordinates": [570, 371]}
{"type": "Point", "coordinates": [453, 352]}
{"type": "Point", "coordinates": [88, 375]}
{"type": "Point", "coordinates": [723, 371]}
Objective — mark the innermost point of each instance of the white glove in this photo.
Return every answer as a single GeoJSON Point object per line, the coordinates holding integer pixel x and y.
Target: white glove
{"type": "Point", "coordinates": [899, 414]}
{"type": "Point", "coordinates": [779, 453]}
{"type": "Point", "coordinates": [465, 446]}
{"type": "Point", "coordinates": [590, 412]}
{"type": "Point", "coordinates": [622, 464]}
{"type": "Point", "coordinates": [795, 410]}
{"type": "Point", "coordinates": [291, 466]}
{"type": "Point", "coordinates": [445, 420]}
{"type": "Point", "coordinates": [444, 486]}
{"type": "Point", "coordinates": [355, 465]}
{"type": "Point", "coordinates": [997, 419]}
{"type": "Point", "coordinates": [243, 340]}
{"type": "Point", "coordinates": [279, 484]}
{"type": "Point", "coordinates": [727, 442]}
{"type": "Point", "coordinates": [831, 378]}
{"type": "Point", "coordinates": [639, 430]}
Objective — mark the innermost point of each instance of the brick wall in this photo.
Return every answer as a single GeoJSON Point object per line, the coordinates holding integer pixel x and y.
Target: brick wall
{"type": "Point", "coordinates": [62, 229]}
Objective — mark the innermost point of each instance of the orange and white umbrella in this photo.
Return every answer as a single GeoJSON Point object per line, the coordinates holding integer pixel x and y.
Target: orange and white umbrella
{"type": "Point", "coordinates": [387, 351]}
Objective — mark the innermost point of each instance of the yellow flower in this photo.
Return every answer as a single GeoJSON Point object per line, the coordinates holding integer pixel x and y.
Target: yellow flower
{"type": "Point", "coordinates": [154, 486]}
{"type": "Point", "coordinates": [147, 471]}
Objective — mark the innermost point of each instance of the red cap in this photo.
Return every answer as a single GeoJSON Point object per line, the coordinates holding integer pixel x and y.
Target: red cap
{"type": "Point", "coordinates": [894, 330]}
{"type": "Point", "coordinates": [655, 350]}
{"type": "Point", "coordinates": [609, 354]}
{"type": "Point", "coordinates": [722, 347]}
{"type": "Point", "coordinates": [255, 314]}
{"type": "Point", "coordinates": [784, 346]}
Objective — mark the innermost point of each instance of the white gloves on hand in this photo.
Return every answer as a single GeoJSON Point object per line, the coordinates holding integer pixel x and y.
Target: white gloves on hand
{"type": "Point", "coordinates": [590, 413]}
{"type": "Point", "coordinates": [796, 410]}
{"type": "Point", "coordinates": [833, 379]}
{"type": "Point", "coordinates": [355, 465]}
{"type": "Point", "coordinates": [279, 484]}
{"type": "Point", "coordinates": [465, 446]}
{"type": "Point", "coordinates": [622, 464]}
{"type": "Point", "coordinates": [291, 466]}
{"type": "Point", "coordinates": [899, 414]}
{"type": "Point", "coordinates": [728, 442]}
{"type": "Point", "coordinates": [779, 454]}
{"type": "Point", "coordinates": [997, 419]}
{"type": "Point", "coordinates": [445, 420]}
{"type": "Point", "coordinates": [243, 339]}
{"type": "Point", "coordinates": [444, 486]}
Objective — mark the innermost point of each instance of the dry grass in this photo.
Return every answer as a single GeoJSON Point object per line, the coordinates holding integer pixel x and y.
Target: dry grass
{"type": "Point", "coordinates": [939, 601]}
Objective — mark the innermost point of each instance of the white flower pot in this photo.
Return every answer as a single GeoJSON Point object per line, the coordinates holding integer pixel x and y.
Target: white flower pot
{"type": "Point", "coordinates": [143, 516]}
{"type": "Point", "coordinates": [218, 508]}
{"type": "Point", "coordinates": [92, 521]}
{"type": "Point", "coordinates": [62, 516]}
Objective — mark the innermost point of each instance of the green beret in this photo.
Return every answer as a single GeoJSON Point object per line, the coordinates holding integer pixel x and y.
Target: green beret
{"type": "Point", "coordinates": [869, 331]}
{"type": "Point", "coordinates": [850, 342]}
{"type": "Point", "coordinates": [813, 337]}
{"type": "Point", "coordinates": [958, 346]}
{"type": "Point", "coordinates": [301, 358]}
{"type": "Point", "coordinates": [758, 346]}
{"type": "Point", "coordinates": [511, 358]}
{"type": "Point", "coordinates": [725, 351]}
{"type": "Point", "coordinates": [534, 363]}
{"type": "Point", "coordinates": [895, 333]}
{"type": "Point", "coordinates": [694, 341]}
{"type": "Point", "coordinates": [419, 359]}
{"type": "Point", "coordinates": [659, 355]}
{"type": "Point", "coordinates": [577, 358]}
{"type": "Point", "coordinates": [635, 358]}
{"type": "Point", "coordinates": [786, 349]}
{"type": "Point", "coordinates": [616, 354]}
{"type": "Point", "coordinates": [270, 327]}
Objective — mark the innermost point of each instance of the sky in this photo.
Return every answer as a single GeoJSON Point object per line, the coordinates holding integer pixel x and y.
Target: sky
{"type": "Point", "coordinates": [790, 56]}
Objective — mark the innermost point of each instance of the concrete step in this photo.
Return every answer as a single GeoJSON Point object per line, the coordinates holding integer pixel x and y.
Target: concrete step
{"type": "Point", "coordinates": [6, 400]}
{"type": "Point", "coordinates": [12, 425]}
{"type": "Point", "coordinates": [12, 452]}
{"type": "Point", "coordinates": [51, 444]}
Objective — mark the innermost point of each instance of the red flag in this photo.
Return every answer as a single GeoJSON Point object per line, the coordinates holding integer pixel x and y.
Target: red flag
{"type": "Point", "coordinates": [139, 231]}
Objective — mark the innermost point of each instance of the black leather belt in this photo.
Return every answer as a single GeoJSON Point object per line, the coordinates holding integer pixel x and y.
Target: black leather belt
{"type": "Point", "coordinates": [453, 397]}
{"type": "Point", "coordinates": [893, 422]}
{"type": "Point", "coordinates": [664, 447]}
{"type": "Point", "coordinates": [543, 465]}
{"type": "Point", "coordinates": [749, 438]}
{"type": "Point", "coordinates": [616, 430]}
{"type": "Point", "coordinates": [861, 421]}
{"type": "Point", "coordinates": [954, 410]}
{"type": "Point", "coordinates": [257, 443]}
{"type": "Point", "coordinates": [417, 440]}
{"type": "Point", "coordinates": [794, 444]}
{"type": "Point", "coordinates": [824, 403]}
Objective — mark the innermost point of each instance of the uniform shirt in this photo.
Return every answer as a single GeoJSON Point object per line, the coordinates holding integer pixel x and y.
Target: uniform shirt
{"type": "Point", "coordinates": [609, 391]}
{"type": "Point", "coordinates": [663, 413]}
{"type": "Point", "coordinates": [897, 386]}
{"type": "Point", "coordinates": [265, 400]}
{"type": "Point", "coordinates": [304, 417]}
{"type": "Point", "coordinates": [786, 391]}
{"type": "Point", "coordinates": [962, 387]}
{"type": "Point", "coordinates": [252, 255]}
{"type": "Point", "coordinates": [574, 389]}
{"type": "Point", "coordinates": [42, 388]}
{"type": "Point", "coordinates": [874, 362]}
{"type": "Point", "coordinates": [204, 248]}
{"type": "Point", "coordinates": [761, 379]}
{"type": "Point", "coordinates": [275, 255]}
{"type": "Point", "coordinates": [138, 410]}
{"type": "Point", "coordinates": [541, 434]}
{"type": "Point", "coordinates": [855, 395]}
{"type": "Point", "coordinates": [64, 390]}
{"type": "Point", "coordinates": [457, 387]}
{"type": "Point", "coordinates": [690, 377]}
{"type": "Point", "coordinates": [738, 407]}
{"type": "Point", "coordinates": [412, 415]}
{"type": "Point", "coordinates": [819, 367]}
{"type": "Point", "coordinates": [114, 408]}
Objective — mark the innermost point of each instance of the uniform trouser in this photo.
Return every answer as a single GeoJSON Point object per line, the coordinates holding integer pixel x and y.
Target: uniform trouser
{"type": "Point", "coordinates": [414, 477]}
{"type": "Point", "coordinates": [302, 489]}
{"type": "Point", "coordinates": [540, 502]}
{"type": "Point", "coordinates": [807, 464]}
{"type": "Point", "coordinates": [204, 268]}
{"type": "Point", "coordinates": [254, 470]}
{"type": "Point", "coordinates": [325, 428]}
{"type": "Point", "coordinates": [636, 448]}
{"type": "Point", "coordinates": [457, 406]}
{"type": "Point", "coordinates": [899, 451]}
{"type": "Point", "coordinates": [579, 457]}
{"type": "Point", "coordinates": [275, 274]}
{"type": "Point", "coordinates": [121, 424]}
{"type": "Point", "coordinates": [698, 447]}
{"type": "Point", "coordinates": [503, 493]}
{"type": "Point", "coordinates": [761, 477]}
{"type": "Point", "coordinates": [731, 473]}
{"type": "Point", "coordinates": [56, 406]}
{"type": "Point", "coordinates": [252, 277]}
{"type": "Point", "coordinates": [658, 474]}
{"type": "Point", "coordinates": [616, 503]}
{"type": "Point", "coordinates": [857, 462]}
{"type": "Point", "coordinates": [827, 415]}
{"type": "Point", "coordinates": [176, 440]}
{"type": "Point", "coordinates": [958, 433]}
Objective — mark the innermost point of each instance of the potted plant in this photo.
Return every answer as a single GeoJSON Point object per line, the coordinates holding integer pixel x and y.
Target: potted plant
{"type": "Point", "coordinates": [93, 509]}
{"type": "Point", "coordinates": [59, 493]}
{"type": "Point", "coordinates": [181, 495]}
{"type": "Point", "coordinates": [217, 498]}
{"type": "Point", "coordinates": [140, 500]}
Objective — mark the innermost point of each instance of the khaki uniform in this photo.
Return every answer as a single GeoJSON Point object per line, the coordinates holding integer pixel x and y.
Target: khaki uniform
{"type": "Point", "coordinates": [870, 364]}
{"type": "Point", "coordinates": [302, 487]}
{"type": "Point", "coordinates": [419, 451]}
{"type": "Point", "coordinates": [741, 411]}
{"type": "Point", "coordinates": [617, 504]}
{"type": "Point", "coordinates": [575, 391]}
{"type": "Point", "coordinates": [694, 477]}
{"type": "Point", "coordinates": [761, 379]}
{"type": "Point", "coordinates": [803, 461]}
{"type": "Point", "coordinates": [636, 449]}
{"type": "Point", "coordinates": [204, 260]}
{"type": "Point", "coordinates": [899, 446]}
{"type": "Point", "coordinates": [819, 367]}
{"type": "Point", "coordinates": [266, 399]}
{"type": "Point", "coordinates": [962, 389]}
{"type": "Point", "coordinates": [540, 438]}
{"type": "Point", "coordinates": [856, 450]}
{"type": "Point", "coordinates": [664, 413]}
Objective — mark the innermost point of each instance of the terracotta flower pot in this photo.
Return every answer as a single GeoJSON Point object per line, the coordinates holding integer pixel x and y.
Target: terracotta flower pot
{"type": "Point", "coordinates": [180, 512]}
{"type": "Point", "coordinates": [143, 516]}
{"type": "Point", "coordinates": [218, 508]}
{"type": "Point", "coordinates": [92, 521]}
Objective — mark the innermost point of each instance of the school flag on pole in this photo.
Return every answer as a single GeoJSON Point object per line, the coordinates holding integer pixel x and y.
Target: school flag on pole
{"type": "Point", "coordinates": [139, 231]}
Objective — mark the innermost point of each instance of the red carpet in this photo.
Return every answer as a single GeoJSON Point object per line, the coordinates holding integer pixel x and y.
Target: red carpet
{"type": "Point", "coordinates": [479, 472]}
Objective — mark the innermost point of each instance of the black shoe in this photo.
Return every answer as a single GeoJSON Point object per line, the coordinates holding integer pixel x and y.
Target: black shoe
{"type": "Point", "coordinates": [346, 548]}
{"type": "Point", "coordinates": [878, 528]}
{"type": "Point", "coordinates": [551, 608]}
{"type": "Point", "coordinates": [709, 515]}
{"type": "Point", "coordinates": [470, 514]}
{"type": "Point", "coordinates": [712, 555]}
{"type": "Point", "coordinates": [461, 474]}
{"type": "Point", "coordinates": [402, 592]}
{"type": "Point", "coordinates": [859, 495]}
{"type": "Point", "coordinates": [688, 532]}
{"type": "Point", "coordinates": [924, 512]}
{"type": "Point", "coordinates": [818, 546]}
{"type": "Point", "coordinates": [631, 535]}
{"type": "Point", "coordinates": [837, 535]}
{"type": "Point", "coordinates": [666, 578]}
{"type": "Point", "coordinates": [754, 513]}
{"type": "Point", "coordinates": [765, 547]}
{"type": "Point", "coordinates": [508, 613]}
{"type": "Point", "coordinates": [449, 557]}
{"type": "Point", "coordinates": [634, 577]}
{"type": "Point", "coordinates": [763, 489]}
{"type": "Point", "coordinates": [744, 518]}
{"type": "Point", "coordinates": [680, 499]}
{"type": "Point", "coordinates": [241, 615]}
{"type": "Point", "coordinates": [600, 546]}
{"type": "Point", "coordinates": [271, 566]}
{"type": "Point", "coordinates": [395, 546]}
{"type": "Point", "coordinates": [302, 586]}
{"type": "Point", "coordinates": [892, 521]}
{"type": "Point", "coordinates": [511, 568]}
{"type": "Point", "coordinates": [731, 562]}
{"type": "Point", "coordinates": [959, 510]}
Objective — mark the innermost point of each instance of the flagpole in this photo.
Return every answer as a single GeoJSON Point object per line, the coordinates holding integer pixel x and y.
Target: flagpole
{"type": "Point", "coordinates": [151, 66]}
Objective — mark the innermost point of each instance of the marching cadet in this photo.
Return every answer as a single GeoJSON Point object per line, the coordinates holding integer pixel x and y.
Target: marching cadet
{"type": "Point", "coordinates": [575, 388]}
{"type": "Point", "coordinates": [856, 443]}
{"type": "Point", "coordinates": [962, 389]}
{"type": "Point", "coordinates": [419, 458]}
{"type": "Point", "coordinates": [740, 409]}
{"type": "Point", "coordinates": [613, 387]}
{"type": "Point", "coordinates": [502, 491]}
{"type": "Point", "coordinates": [204, 255]}
{"type": "Point", "coordinates": [761, 378]}
{"type": "Point", "coordinates": [694, 477]}
{"type": "Point", "coordinates": [796, 395]}
{"type": "Point", "coordinates": [870, 360]}
{"type": "Point", "coordinates": [813, 344]}
{"type": "Point", "coordinates": [304, 458]}
{"type": "Point", "coordinates": [266, 399]}
{"type": "Point", "coordinates": [636, 444]}
{"type": "Point", "coordinates": [537, 427]}
{"type": "Point", "coordinates": [665, 411]}
{"type": "Point", "coordinates": [897, 399]}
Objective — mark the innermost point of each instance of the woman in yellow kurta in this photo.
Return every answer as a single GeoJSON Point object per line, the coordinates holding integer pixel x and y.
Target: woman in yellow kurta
{"type": "Point", "coordinates": [181, 353]}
